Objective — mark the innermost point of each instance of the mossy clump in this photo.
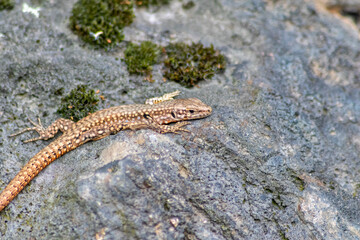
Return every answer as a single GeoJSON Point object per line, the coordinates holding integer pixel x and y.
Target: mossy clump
{"type": "Point", "coordinates": [189, 64]}
{"type": "Point", "coordinates": [78, 104]}
{"type": "Point", "coordinates": [6, 4]}
{"type": "Point", "coordinates": [188, 5]}
{"type": "Point", "coordinates": [140, 58]}
{"type": "Point", "coordinates": [101, 22]}
{"type": "Point", "coordinates": [147, 3]}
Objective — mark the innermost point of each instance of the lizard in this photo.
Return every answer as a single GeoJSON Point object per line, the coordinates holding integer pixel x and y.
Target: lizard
{"type": "Point", "coordinates": [155, 114]}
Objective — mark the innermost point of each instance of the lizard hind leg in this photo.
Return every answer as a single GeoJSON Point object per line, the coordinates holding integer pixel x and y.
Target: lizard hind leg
{"type": "Point", "coordinates": [165, 97]}
{"type": "Point", "coordinates": [45, 134]}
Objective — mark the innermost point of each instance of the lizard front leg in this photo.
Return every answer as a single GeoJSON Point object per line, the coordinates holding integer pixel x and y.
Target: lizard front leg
{"type": "Point", "coordinates": [175, 128]}
{"type": "Point", "coordinates": [61, 124]}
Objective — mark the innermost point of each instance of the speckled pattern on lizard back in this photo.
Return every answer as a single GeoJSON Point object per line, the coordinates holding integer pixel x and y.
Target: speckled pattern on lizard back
{"type": "Point", "coordinates": [154, 115]}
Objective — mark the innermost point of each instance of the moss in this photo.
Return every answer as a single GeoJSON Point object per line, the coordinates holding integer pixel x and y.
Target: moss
{"type": "Point", "coordinates": [357, 188]}
{"type": "Point", "coordinates": [7, 4]}
{"type": "Point", "coordinates": [38, 2]}
{"type": "Point", "coordinates": [128, 226]}
{"type": "Point", "coordinates": [147, 3]}
{"type": "Point", "coordinates": [274, 203]}
{"type": "Point", "coordinates": [59, 91]}
{"type": "Point", "coordinates": [101, 22]}
{"type": "Point", "coordinates": [78, 104]}
{"type": "Point", "coordinates": [140, 58]}
{"type": "Point", "coordinates": [167, 206]}
{"type": "Point", "coordinates": [189, 64]}
{"type": "Point", "coordinates": [188, 5]}
{"type": "Point", "coordinates": [282, 235]}
{"type": "Point", "coordinates": [299, 182]}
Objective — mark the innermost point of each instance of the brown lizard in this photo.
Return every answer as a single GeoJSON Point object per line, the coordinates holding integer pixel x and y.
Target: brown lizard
{"type": "Point", "coordinates": [155, 114]}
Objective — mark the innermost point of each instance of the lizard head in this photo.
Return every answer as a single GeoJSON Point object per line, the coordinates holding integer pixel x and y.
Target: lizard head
{"type": "Point", "coordinates": [186, 109]}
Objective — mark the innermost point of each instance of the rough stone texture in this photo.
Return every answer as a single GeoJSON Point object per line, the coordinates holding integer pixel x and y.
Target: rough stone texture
{"type": "Point", "coordinates": [278, 158]}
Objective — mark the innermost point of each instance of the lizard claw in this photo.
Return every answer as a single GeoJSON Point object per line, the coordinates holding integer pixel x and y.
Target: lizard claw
{"type": "Point", "coordinates": [37, 127]}
{"type": "Point", "coordinates": [177, 128]}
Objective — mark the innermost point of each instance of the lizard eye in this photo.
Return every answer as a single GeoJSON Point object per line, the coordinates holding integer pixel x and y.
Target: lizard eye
{"type": "Point", "coordinates": [173, 114]}
{"type": "Point", "coordinates": [191, 111]}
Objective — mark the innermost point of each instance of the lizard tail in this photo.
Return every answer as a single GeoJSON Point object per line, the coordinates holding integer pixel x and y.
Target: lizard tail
{"type": "Point", "coordinates": [29, 171]}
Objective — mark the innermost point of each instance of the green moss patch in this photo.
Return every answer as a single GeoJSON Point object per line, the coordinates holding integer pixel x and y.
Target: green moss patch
{"type": "Point", "coordinates": [7, 4]}
{"type": "Point", "coordinates": [101, 22]}
{"type": "Point", "coordinates": [78, 104]}
{"type": "Point", "coordinates": [140, 58]}
{"type": "Point", "coordinates": [189, 64]}
{"type": "Point", "coordinates": [188, 5]}
{"type": "Point", "coordinates": [147, 3]}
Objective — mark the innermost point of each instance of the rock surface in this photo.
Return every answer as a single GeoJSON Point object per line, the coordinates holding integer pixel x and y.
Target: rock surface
{"type": "Point", "coordinates": [277, 159]}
